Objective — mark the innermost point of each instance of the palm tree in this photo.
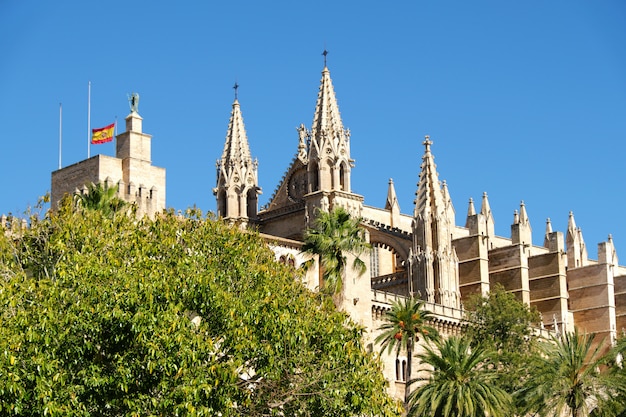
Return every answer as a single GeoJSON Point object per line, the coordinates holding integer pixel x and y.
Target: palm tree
{"type": "Point", "coordinates": [404, 322]}
{"type": "Point", "coordinates": [335, 234]}
{"type": "Point", "coordinates": [461, 383]}
{"type": "Point", "coordinates": [572, 377]}
{"type": "Point", "coordinates": [100, 197]}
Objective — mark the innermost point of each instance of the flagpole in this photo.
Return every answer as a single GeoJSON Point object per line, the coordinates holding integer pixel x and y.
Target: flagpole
{"type": "Point", "coordinates": [89, 121]}
{"type": "Point", "coordinates": [60, 132]}
{"type": "Point", "coordinates": [115, 136]}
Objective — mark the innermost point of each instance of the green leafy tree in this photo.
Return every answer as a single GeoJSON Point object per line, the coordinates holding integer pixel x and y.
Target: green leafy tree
{"type": "Point", "coordinates": [171, 316]}
{"type": "Point", "coordinates": [461, 383]}
{"type": "Point", "coordinates": [335, 235]}
{"type": "Point", "coordinates": [572, 377]}
{"type": "Point", "coordinates": [503, 325]}
{"type": "Point", "coordinates": [404, 323]}
{"type": "Point", "coordinates": [100, 197]}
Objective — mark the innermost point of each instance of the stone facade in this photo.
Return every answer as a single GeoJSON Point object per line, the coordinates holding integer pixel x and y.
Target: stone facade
{"type": "Point", "coordinates": [131, 170]}
{"type": "Point", "coordinates": [424, 254]}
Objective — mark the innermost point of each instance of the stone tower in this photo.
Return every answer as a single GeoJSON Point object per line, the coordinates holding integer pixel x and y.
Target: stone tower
{"type": "Point", "coordinates": [433, 273]}
{"type": "Point", "coordinates": [131, 170]}
{"type": "Point", "coordinates": [237, 187]}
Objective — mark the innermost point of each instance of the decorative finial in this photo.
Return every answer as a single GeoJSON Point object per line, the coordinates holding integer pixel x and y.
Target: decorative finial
{"type": "Point", "coordinates": [325, 53]}
{"type": "Point", "coordinates": [236, 87]}
{"type": "Point", "coordinates": [427, 142]}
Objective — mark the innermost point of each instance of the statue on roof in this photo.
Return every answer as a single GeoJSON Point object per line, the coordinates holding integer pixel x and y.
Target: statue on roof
{"type": "Point", "coordinates": [133, 100]}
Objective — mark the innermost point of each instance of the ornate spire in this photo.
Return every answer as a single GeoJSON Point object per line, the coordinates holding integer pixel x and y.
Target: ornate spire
{"type": "Point", "coordinates": [430, 197]}
{"type": "Point", "coordinates": [434, 271]}
{"type": "Point", "coordinates": [329, 162]}
{"type": "Point", "coordinates": [236, 148]}
{"type": "Point", "coordinates": [237, 178]}
{"type": "Point", "coordinates": [327, 120]}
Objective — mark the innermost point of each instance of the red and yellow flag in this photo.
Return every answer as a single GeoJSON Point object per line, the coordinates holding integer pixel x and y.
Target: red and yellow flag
{"type": "Point", "coordinates": [102, 135]}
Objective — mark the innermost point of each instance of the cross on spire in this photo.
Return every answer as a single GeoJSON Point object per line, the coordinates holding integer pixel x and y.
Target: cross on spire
{"type": "Point", "coordinates": [236, 87]}
{"type": "Point", "coordinates": [325, 53]}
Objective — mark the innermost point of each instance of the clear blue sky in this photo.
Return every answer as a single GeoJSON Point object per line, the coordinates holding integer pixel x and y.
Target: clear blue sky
{"type": "Point", "coordinates": [523, 100]}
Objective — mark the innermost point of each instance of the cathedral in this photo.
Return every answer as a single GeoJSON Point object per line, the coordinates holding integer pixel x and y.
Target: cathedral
{"type": "Point", "coordinates": [422, 254]}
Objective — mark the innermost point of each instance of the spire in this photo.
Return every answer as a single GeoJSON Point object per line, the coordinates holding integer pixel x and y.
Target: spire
{"type": "Point", "coordinates": [521, 231]}
{"type": "Point", "coordinates": [571, 223]}
{"type": "Point", "coordinates": [237, 178]}
{"type": "Point", "coordinates": [434, 270]}
{"type": "Point", "coordinates": [327, 120]}
{"type": "Point", "coordinates": [576, 249]}
{"type": "Point", "coordinates": [523, 216]}
{"type": "Point", "coordinates": [430, 197]}
{"type": "Point", "coordinates": [236, 148]}
{"type": "Point", "coordinates": [329, 162]}
{"type": "Point", "coordinates": [392, 199]}
{"type": "Point", "coordinates": [547, 238]}
{"type": "Point", "coordinates": [485, 209]}
{"type": "Point", "coordinates": [470, 208]}
{"type": "Point", "coordinates": [392, 205]}
{"type": "Point", "coordinates": [470, 220]}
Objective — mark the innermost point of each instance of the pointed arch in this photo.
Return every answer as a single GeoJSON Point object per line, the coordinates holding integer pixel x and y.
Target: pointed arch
{"type": "Point", "coordinates": [252, 203]}
{"type": "Point", "coordinates": [314, 177]}
{"type": "Point", "coordinates": [344, 183]}
{"type": "Point", "coordinates": [221, 203]}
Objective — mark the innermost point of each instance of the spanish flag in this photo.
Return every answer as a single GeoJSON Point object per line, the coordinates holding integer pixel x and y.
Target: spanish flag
{"type": "Point", "coordinates": [102, 135]}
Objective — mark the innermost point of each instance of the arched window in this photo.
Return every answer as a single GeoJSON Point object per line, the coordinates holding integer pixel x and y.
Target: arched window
{"type": "Point", "coordinates": [401, 369]}
{"type": "Point", "coordinates": [252, 203]}
{"type": "Point", "coordinates": [342, 177]}
{"type": "Point", "coordinates": [315, 177]}
{"type": "Point", "coordinates": [221, 204]}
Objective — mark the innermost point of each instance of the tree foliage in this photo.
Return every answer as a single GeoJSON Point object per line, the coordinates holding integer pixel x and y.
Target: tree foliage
{"type": "Point", "coordinates": [503, 325]}
{"type": "Point", "coordinates": [406, 320]}
{"type": "Point", "coordinates": [573, 377]}
{"type": "Point", "coordinates": [336, 234]}
{"type": "Point", "coordinates": [460, 383]}
{"type": "Point", "coordinates": [100, 197]}
{"type": "Point", "coordinates": [116, 316]}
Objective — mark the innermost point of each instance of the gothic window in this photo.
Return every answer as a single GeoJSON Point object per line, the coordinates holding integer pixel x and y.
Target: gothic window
{"type": "Point", "coordinates": [342, 177]}
{"type": "Point", "coordinates": [252, 203]}
{"type": "Point", "coordinates": [315, 177]}
{"type": "Point", "coordinates": [221, 204]}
